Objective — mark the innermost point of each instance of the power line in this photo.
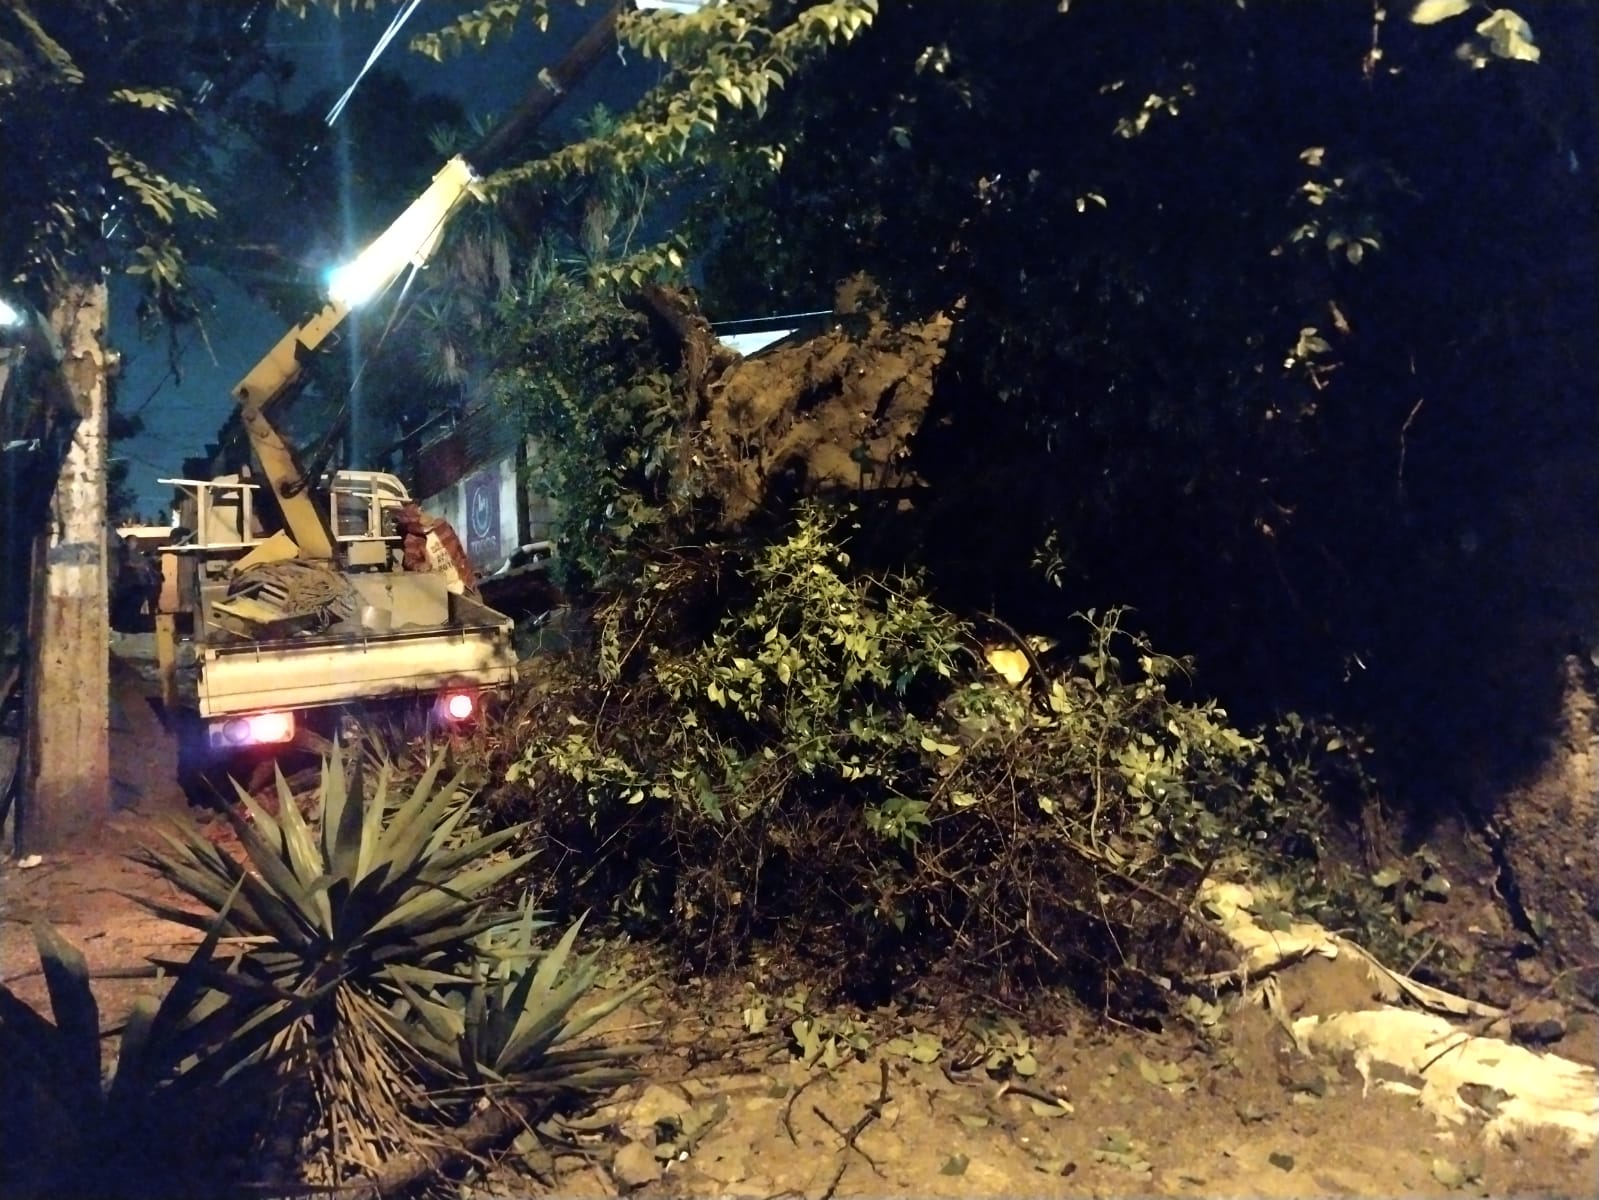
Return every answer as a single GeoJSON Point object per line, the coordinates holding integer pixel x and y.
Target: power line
{"type": "Point", "coordinates": [165, 375]}
{"type": "Point", "coordinates": [383, 44]}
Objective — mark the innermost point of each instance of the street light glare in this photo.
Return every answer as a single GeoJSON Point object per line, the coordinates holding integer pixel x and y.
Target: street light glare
{"type": "Point", "coordinates": [410, 240]}
{"type": "Point", "coordinates": [353, 284]}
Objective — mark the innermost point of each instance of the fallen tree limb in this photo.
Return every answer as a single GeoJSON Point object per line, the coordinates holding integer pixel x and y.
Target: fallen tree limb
{"type": "Point", "coordinates": [491, 1126]}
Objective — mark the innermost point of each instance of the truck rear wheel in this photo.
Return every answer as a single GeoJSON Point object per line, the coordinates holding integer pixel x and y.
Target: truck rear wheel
{"type": "Point", "coordinates": [202, 785]}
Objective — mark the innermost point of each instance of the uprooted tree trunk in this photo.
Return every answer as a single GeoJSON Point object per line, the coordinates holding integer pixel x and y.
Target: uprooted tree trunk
{"type": "Point", "coordinates": [836, 414]}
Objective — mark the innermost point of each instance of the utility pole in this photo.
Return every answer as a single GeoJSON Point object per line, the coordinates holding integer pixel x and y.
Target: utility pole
{"type": "Point", "coordinates": [66, 780]}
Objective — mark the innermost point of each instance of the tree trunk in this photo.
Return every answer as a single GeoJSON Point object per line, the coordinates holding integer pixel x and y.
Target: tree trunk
{"type": "Point", "coordinates": [68, 683]}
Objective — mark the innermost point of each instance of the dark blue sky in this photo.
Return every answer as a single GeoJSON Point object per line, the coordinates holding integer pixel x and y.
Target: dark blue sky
{"type": "Point", "coordinates": [180, 418]}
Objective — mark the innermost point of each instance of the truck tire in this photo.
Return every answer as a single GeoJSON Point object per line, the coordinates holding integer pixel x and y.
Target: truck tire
{"type": "Point", "coordinates": [202, 784]}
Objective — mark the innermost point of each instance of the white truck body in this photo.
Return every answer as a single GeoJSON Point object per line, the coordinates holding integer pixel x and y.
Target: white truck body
{"type": "Point", "coordinates": [470, 648]}
{"type": "Point", "coordinates": [411, 636]}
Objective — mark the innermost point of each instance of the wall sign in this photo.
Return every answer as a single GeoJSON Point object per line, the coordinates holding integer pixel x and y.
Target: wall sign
{"type": "Point", "coordinates": [480, 495]}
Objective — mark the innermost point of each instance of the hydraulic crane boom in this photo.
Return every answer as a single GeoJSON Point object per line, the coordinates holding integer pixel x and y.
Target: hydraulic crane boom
{"type": "Point", "coordinates": [410, 240]}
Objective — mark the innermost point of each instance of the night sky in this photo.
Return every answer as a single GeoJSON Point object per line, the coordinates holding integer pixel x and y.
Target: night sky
{"type": "Point", "coordinates": [180, 418]}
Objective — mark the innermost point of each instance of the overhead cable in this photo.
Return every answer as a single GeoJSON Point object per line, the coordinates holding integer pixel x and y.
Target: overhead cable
{"type": "Point", "coordinates": [395, 25]}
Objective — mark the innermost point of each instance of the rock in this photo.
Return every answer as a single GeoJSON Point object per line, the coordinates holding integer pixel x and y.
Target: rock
{"type": "Point", "coordinates": [635, 1165]}
{"type": "Point", "coordinates": [1532, 972]}
{"type": "Point", "coordinates": [984, 1179]}
{"type": "Point", "coordinates": [1307, 1079]}
{"type": "Point", "coordinates": [1541, 1021]}
{"type": "Point", "coordinates": [654, 1104]}
{"type": "Point", "coordinates": [726, 1160]}
{"type": "Point", "coordinates": [684, 1034]}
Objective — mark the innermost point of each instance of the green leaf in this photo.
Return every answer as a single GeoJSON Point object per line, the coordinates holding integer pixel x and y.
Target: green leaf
{"type": "Point", "coordinates": [77, 1016]}
{"type": "Point", "coordinates": [919, 1047]}
{"type": "Point", "coordinates": [955, 1164]}
{"type": "Point", "coordinates": [305, 857]}
{"type": "Point", "coordinates": [588, 1018]}
{"type": "Point", "coordinates": [1509, 36]}
{"type": "Point", "coordinates": [159, 99]}
{"type": "Point", "coordinates": [1430, 12]}
{"type": "Point", "coordinates": [343, 824]}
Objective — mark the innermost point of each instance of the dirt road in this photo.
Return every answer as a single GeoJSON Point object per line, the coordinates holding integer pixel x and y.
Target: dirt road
{"type": "Point", "coordinates": [1222, 1106]}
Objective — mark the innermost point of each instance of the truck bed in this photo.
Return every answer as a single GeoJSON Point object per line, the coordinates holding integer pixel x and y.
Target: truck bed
{"type": "Point", "coordinates": [472, 648]}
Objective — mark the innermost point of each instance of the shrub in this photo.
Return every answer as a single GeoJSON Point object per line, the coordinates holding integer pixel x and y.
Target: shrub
{"type": "Point", "coordinates": [66, 1131]}
{"type": "Point", "coordinates": [831, 763]}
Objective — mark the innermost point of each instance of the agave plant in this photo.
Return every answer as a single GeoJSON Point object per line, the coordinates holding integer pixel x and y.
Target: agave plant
{"type": "Point", "coordinates": [341, 918]}
{"type": "Point", "coordinates": [515, 1028]}
{"type": "Point", "coordinates": [65, 1132]}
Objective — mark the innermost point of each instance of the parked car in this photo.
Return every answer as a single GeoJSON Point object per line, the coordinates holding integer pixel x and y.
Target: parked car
{"type": "Point", "coordinates": [521, 586]}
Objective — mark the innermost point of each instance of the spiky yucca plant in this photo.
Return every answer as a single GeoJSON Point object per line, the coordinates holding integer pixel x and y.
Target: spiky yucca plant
{"type": "Point", "coordinates": [374, 971]}
{"type": "Point", "coordinates": [340, 919]}
{"type": "Point", "coordinates": [160, 1126]}
{"type": "Point", "coordinates": [514, 1029]}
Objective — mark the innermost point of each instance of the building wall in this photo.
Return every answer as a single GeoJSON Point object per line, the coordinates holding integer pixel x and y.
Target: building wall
{"type": "Point", "coordinates": [482, 509]}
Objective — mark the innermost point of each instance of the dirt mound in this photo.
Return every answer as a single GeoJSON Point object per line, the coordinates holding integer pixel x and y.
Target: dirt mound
{"type": "Point", "coordinates": [1550, 836]}
{"type": "Point", "coordinates": [1234, 1110]}
{"type": "Point", "coordinates": [1225, 1107]}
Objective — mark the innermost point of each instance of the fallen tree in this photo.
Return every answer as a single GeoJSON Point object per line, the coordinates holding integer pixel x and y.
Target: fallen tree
{"type": "Point", "coordinates": [835, 414]}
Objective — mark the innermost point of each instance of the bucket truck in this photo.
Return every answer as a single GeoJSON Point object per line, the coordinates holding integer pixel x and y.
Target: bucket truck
{"type": "Point", "coordinates": [335, 606]}
{"type": "Point", "coordinates": [355, 599]}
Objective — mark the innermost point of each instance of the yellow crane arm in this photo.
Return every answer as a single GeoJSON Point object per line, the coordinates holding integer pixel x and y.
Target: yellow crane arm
{"type": "Point", "coordinates": [410, 240]}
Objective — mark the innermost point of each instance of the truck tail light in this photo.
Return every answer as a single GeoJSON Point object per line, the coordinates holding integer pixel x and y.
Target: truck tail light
{"type": "Point", "coordinates": [272, 728]}
{"type": "Point", "coordinates": [257, 729]}
{"type": "Point", "coordinates": [458, 706]}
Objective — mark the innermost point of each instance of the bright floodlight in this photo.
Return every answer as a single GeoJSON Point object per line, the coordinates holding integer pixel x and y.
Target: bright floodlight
{"type": "Point", "coordinates": [353, 284]}
{"type": "Point", "coordinates": [10, 317]}
{"type": "Point", "coordinates": [410, 239]}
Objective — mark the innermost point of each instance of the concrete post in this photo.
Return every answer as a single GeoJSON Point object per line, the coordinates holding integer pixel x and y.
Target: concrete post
{"type": "Point", "coordinates": [69, 630]}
